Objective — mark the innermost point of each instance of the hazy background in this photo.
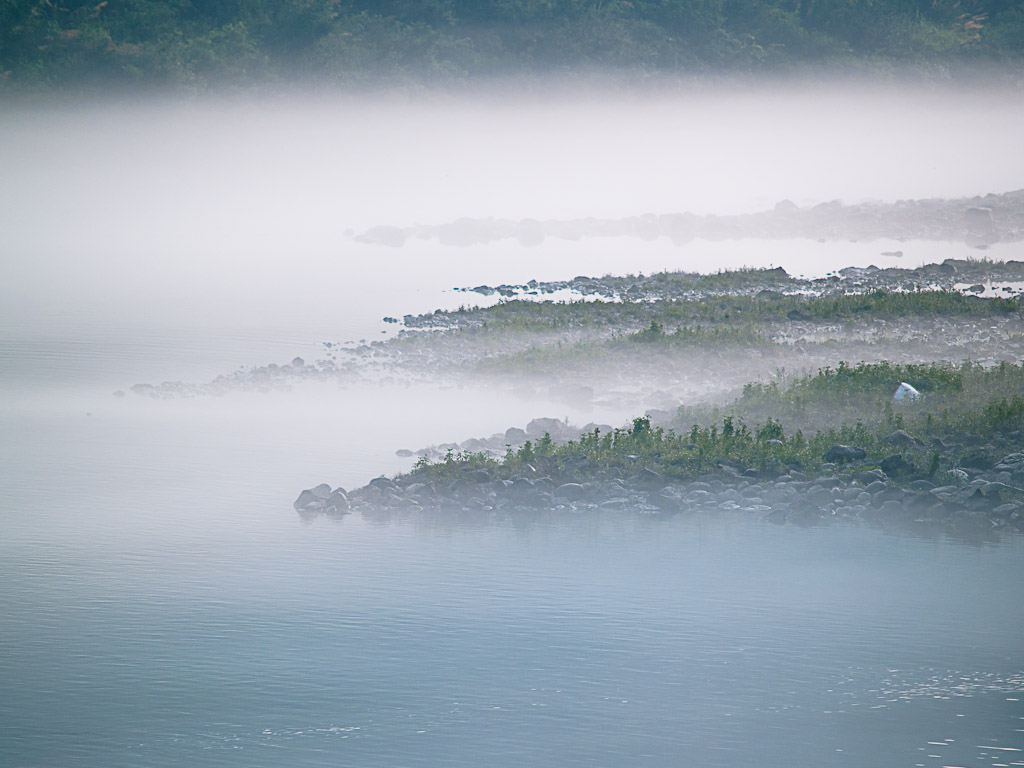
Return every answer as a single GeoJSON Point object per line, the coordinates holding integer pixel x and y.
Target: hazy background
{"type": "Point", "coordinates": [233, 216]}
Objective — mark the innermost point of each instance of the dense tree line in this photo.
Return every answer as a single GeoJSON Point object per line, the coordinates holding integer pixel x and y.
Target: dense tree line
{"type": "Point", "coordinates": [196, 43]}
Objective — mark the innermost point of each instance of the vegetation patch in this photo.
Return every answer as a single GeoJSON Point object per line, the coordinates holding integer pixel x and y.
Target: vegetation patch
{"type": "Point", "coordinates": [794, 424]}
{"type": "Point", "coordinates": [68, 44]}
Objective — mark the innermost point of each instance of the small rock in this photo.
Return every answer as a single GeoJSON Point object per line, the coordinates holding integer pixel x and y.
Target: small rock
{"type": "Point", "coordinates": [958, 476]}
{"type": "Point", "coordinates": [570, 491]}
{"type": "Point", "coordinates": [891, 507]}
{"type": "Point", "coordinates": [876, 487]}
{"type": "Point", "coordinates": [870, 475]}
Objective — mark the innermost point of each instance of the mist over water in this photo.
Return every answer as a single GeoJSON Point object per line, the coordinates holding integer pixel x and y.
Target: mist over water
{"type": "Point", "coordinates": [232, 219]}
{"type": "Point", "coordinates": [163, 604]}
{"type": "Point", "coordinates": [234, 214]}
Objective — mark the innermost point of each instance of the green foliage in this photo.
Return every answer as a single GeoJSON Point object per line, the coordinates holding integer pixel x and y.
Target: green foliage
{"type": "Point", "coordinates": [63, 43]}
{"type": "Point", "coordinates": [968, 399]}
{"type": "Point", "coordinates": [453, 462]}
{"type": "Point", "coordinates": [655, 332]}
{"type": "Point", "coordinates": [523, 335]}
{"type": "Point", "coordinates": [697, 335]}
{"type": "Point", "coordinates": [735, 310]}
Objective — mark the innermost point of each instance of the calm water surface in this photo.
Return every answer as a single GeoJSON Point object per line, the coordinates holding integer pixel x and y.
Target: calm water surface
{"type": "Point", "coordinates": [161, 604]}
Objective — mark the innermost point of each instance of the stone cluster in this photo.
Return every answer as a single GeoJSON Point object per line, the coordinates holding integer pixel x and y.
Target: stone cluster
{"type": "Point", "coordinates": [958, 498]}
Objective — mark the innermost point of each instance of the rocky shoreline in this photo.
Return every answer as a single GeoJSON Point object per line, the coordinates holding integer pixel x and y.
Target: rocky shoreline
{"type": "Point", "coordinates": [765, 320]}
{"type": "Point", "coordinates": [977, 497]}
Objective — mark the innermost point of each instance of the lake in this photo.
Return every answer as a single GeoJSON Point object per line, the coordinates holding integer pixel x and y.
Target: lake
{"type": "Point", "coordinates": [164, 605]}
{"type": "Point", "coordinates": [161, 603]}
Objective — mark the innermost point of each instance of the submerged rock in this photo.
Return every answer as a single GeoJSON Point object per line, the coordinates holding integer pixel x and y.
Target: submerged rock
{"type": "Point", "coordinates": [322, 499]}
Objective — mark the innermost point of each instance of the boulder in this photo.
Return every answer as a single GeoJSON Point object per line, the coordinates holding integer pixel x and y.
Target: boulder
{"type": "Point", "coordinates": [538, 427]}
{"type": "Point", "coordinates": [338, 502]}
{"type": "Point", "coordinates": [648, 479]}
{"type": "Point", "coordinates": [840, 454]}
{"type": "Point", "coordinates": [896, 465]}
{"type": "Point", "coordinates": [570, 491]}
{"type": "Point", "coordinates": [901, 439]}
{"type": "Point", "coordinates": [321, 491]}
{"type": "Point", "coordinates": [1007, 510]}
{"type": "Point", "coordinates": [308, 500]}
{"type": "Point", "coordinates": [977, 460]}
{"type": "Point", "coordinates": [905, 393]}
{"type": "Point", "coordinates": [870, 476]}
{"type": "Point", "coordinates": [515, 436]}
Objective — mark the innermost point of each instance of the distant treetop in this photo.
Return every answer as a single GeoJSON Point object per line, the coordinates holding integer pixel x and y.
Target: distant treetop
{"type": "Point", "coordinates": [196, 44]}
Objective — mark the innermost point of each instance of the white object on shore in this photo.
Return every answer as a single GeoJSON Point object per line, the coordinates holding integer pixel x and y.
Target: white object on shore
{"type": "Point", "coordinates": [905, 392]}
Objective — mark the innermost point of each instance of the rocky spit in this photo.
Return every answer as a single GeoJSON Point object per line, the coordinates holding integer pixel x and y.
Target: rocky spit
{"type": "Point", "coordinates": [451, 348]}
{"type": "Point", "coordinates": [973, 276]}
{"type": "Point", "coordinates": [976, 499]}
